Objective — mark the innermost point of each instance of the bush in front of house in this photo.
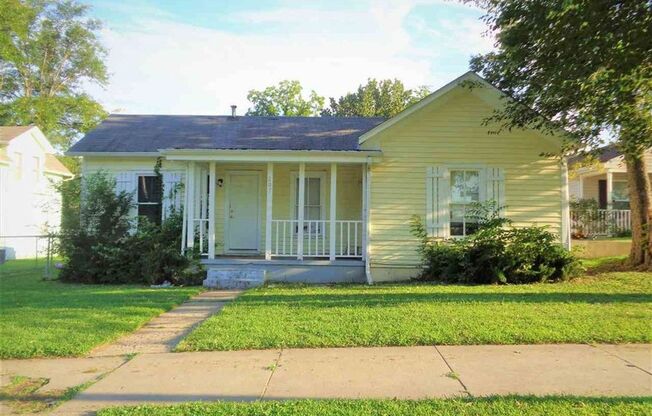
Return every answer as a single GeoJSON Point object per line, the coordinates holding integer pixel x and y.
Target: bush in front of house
{"type": "Point", "coordinates": [101, 242]}
{"type": "Point", "coordinates": [496, 253]}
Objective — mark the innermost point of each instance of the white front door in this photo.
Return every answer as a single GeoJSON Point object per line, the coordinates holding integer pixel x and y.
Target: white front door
{"type": "Point", "coordinates": [243, 212]}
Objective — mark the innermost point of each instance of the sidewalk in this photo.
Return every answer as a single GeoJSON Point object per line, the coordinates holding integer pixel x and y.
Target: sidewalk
{"type": "Point", "coordinates": [164, 332]}
{"type": "Point", "coordinates": [386, 372]}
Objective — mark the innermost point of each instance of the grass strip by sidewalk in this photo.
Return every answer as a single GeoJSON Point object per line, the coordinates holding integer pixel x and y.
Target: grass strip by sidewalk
{"type": "Point", "coordinates": [503, 406]}
{"type": "Point", "coordinates": [41, 318]}
{"type": "Point", "coordinates": [611, 307]}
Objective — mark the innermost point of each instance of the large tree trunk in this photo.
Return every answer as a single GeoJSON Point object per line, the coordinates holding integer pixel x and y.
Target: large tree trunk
{"type": "Point", "coordinates": [640, 205]}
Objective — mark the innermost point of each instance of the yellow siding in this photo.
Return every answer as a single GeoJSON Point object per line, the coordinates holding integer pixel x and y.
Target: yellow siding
{"type": "Point", "coordinates": [450, 132]}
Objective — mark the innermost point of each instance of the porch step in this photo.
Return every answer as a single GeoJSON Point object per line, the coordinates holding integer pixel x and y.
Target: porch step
{"type": "Point", "coordinates": [240, 278]}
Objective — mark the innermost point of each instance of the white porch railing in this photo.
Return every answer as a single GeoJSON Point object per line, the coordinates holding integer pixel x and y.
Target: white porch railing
{"type": "Point", "coordinates": [602, 222]}
{"type": "Point", "coordinates": [316, 238]}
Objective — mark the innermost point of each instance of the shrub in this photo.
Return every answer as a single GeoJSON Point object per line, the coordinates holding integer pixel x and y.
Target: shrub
{"type": "Point", "coordinates": [101, 243]}
{"type": "Point", "coordinates": [585, 213]}
{"type": "Point", "coordinates": [496, 253]}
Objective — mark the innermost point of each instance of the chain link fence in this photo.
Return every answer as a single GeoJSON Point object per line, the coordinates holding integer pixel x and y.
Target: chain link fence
{"type": "Point", "coordinates": [23, 254]}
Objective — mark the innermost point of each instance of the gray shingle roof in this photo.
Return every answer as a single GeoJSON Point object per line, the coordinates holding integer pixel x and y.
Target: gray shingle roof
{"type": "Point", "coordinates": [603, 154]}
{"type": "Point", "coordinates": [148, 133]}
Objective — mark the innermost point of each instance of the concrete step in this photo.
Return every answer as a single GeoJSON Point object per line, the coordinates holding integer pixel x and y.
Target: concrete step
{"type": "Point", "coordinates": [234, 278]}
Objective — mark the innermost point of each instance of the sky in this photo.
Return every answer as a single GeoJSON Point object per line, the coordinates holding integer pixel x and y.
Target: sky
{"type": "Point", "coordinates": [201, 56]}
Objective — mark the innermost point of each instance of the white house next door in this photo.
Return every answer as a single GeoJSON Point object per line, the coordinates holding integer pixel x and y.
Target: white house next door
{"type": "Point", "coordinates": [242, 212]}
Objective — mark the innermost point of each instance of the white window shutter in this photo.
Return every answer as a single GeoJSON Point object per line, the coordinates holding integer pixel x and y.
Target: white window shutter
{"type": "Point", "coordinates": [126, 182]}
{"type": "Point", "coordinates": [437, 201]}
{"type": "Point", "coordinates": [172, 193]}
{"type": "Point", "coordinates": [496, 186]}
{"type": "Point", "coordinates": [431, 193]}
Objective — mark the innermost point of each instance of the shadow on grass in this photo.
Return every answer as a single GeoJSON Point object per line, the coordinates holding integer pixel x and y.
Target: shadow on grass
{"type": "Point", "coordinates": [352, 299]}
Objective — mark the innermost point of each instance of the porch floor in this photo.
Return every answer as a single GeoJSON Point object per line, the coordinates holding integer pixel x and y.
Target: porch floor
{"type": "Point", "coordinates": [278, 261]}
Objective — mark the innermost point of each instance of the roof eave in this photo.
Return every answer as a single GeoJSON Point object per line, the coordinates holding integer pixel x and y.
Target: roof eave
{"type": "Point", "coordinates": [262, 155]}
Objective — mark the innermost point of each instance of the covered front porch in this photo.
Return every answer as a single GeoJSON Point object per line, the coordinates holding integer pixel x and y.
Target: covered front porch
{"type": "Point", "coordinates": [287, 209]}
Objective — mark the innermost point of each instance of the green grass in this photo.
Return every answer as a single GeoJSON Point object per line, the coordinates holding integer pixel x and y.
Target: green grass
{"type": "Point", "coordinates": [48, 318]}
{"type": "Point", "coordinates": [503, 406]}
{"type": "Point", "coordinates": [602, 264]}
{"type": "Point", "coordinates": [606, 308]}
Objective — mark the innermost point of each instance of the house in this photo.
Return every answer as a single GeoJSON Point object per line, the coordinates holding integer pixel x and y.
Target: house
{"type": "Point", "coordinates": [29, 203]}
{"type": "Point", "coordinates": [604, 180]}
{"type": "Point", "coordinates": [329, 198]}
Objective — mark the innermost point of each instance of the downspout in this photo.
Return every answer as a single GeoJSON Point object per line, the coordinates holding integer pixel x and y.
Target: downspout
{"type": "Point", "coordinates": [367, 208]}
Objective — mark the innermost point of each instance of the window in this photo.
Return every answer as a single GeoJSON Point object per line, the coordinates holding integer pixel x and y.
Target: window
{"type": "Point", "coordinates": [464, 191]}
{"type": "Point", "coordinates": [620, 195]}
{"type": "Point", "coordinates": [150, 198]}
{"type": "Point", "coordinates": [313, 204]}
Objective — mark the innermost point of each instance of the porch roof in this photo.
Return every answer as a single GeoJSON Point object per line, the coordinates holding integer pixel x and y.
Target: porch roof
{"type": "Point", "coordinates": [131, 133]}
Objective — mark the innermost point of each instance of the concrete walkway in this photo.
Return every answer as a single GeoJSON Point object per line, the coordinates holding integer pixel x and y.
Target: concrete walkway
{"type": "Point", "coordinates": [388, 372]}
{"type": "Point", "coordinates": [164, 332]}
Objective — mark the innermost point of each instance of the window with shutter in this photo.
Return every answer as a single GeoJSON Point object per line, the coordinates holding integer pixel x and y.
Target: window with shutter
{"type": "Point", "coordinates": [150, 198]}
{"type": "Point", "coordinates": [450, 193]}
{"type": "Point", "coordinates": [464, 191]}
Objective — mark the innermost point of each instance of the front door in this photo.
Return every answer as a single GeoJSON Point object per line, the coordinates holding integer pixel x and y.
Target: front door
{"type": "Point", "coordinates": [242, 214]}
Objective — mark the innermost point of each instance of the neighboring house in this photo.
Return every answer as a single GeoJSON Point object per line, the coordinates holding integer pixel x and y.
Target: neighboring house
{"type": "Point", "coordinates": [29, 203]}
{"type": "Point", "coordinates": [330, 198]}
{"type": "Point", "coordinates": [605, 181]}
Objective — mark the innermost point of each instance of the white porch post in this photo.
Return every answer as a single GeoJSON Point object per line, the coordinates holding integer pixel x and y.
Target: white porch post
{"type": "Point", "coordinates": [190, 206]}
{"type": "Point", "coordinates": [301, 208]}
{"type": "Point", "coordinates": [333, 212]}
{"type": "Point", "coordinates": [211, 211]}
{"type": "Point", "coordinates": [268, 211]}
{"type": "Point", "coordinates": [366, 218]}
{"type": "Point", "coordinates": [363, 214]}
{"type": "Point", "coordinates": [184, 228]}
{"type": "Point", "coordinates": [565, 207]}
{"type": "Point", "coordinates": [610, 187]}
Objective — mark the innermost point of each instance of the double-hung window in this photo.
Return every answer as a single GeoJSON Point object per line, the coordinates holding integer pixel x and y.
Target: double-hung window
{"type": "Point", "coordinates": [313, 209]}
{"type": "Point", "coordinates": [620, 195]}
{"type": "Point", "coordinates": [150, 198]}
{"type": "Point", "coordinates": [464, 191]}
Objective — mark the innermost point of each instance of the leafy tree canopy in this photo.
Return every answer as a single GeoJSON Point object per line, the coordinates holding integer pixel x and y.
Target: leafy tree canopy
{"type": "Point", "coordinates": [49, 50]}
{"type": "Point", "coordinates": [384, 98]}
{"type": "Point", "coordinates": [284, 99]}
{"type": "Point", "coordinates": [584, 66]}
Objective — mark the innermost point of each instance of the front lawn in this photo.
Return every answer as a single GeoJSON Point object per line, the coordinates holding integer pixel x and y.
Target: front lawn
{"type": "Point", "coordinates": [48, 318]}
{"type": "Point", "coordinates": [503, 406]}
{"type": "Point", "coordinates": [606, 308]}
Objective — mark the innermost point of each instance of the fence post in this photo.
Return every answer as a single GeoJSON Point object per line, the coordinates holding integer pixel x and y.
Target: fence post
{"type": "Point", "coordinates": [48, 259]}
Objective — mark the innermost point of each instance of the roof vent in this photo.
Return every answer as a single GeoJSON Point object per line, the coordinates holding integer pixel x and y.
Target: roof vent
{"type": "Point", "coordinates": [233, 108]}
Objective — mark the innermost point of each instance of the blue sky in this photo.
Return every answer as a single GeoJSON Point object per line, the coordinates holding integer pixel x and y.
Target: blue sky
{"type": "Point", "coordinates": [200, 56]}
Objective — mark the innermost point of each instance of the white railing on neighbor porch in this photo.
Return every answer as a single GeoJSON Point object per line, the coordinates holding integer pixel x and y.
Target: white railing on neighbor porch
{"type": "Point", "coordinates": [316, 238]}
{"type": "Point", "coordinates": [602, 222]}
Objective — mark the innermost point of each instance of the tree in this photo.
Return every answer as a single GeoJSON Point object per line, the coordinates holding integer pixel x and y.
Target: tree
{"type": "Point", "coordinates": [285, 99]}
{"type": "Point", "coordinates": [584, 66]}
{"type": "Point", "coordinates": [384, 98]}
{"type": "Point", "coordinates": [49, 50]}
